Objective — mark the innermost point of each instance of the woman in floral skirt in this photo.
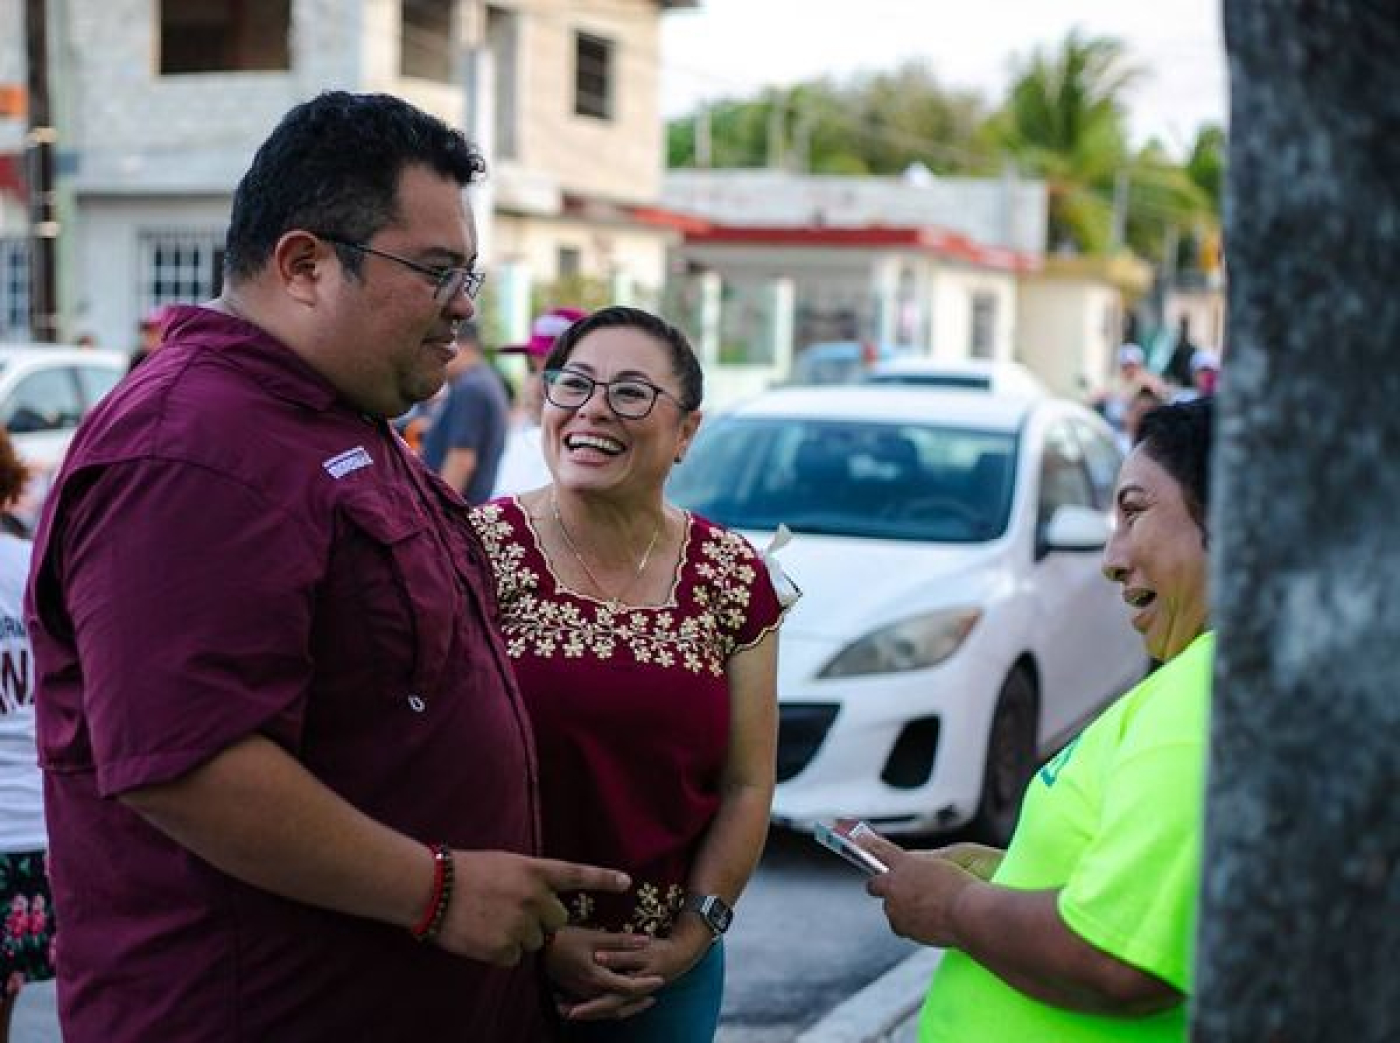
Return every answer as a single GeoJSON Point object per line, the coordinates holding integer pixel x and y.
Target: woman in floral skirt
{"type": "Point", "coordinates": [26, 909]}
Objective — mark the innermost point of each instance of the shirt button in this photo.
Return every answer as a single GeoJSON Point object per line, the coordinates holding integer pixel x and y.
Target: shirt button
{"type": "Point", "coordinates": [416, 703]}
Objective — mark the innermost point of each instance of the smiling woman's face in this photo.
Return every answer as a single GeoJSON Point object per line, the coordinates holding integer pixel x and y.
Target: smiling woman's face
{"type": "Point", "coordinates": [1158, 555]}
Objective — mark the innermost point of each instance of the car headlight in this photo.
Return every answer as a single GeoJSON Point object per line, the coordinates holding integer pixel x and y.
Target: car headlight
{"type": "Point", "coordinates": [910, 644]}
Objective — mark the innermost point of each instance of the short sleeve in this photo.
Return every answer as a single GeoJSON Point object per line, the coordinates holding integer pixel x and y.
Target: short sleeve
{"type": "Point", "coordinates": [190, 601]}
{"type": "Point", "coordinates": [761, 611]}
{"type": "Point", "coordinates": [1134, 892]}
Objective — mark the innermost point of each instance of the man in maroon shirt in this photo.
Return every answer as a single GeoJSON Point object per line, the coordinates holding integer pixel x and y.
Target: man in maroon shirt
{"type": "Point", "coordinates": [269, 676]}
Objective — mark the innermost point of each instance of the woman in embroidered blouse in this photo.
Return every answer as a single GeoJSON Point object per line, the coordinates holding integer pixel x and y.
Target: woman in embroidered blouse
{"type": "Point", "coordinates": [644, 639]}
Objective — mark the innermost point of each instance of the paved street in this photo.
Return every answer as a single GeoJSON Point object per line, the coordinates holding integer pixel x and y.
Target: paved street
{"type": "Point", "coordinates": [805, 937]}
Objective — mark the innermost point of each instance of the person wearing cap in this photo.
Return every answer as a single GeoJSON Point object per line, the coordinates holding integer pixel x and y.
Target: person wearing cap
{"type": "Point", "coordinates": [1133, 376]}
{"type": "Point", "coordinates": [149, 333]}
{"type": "Point", "coordinates": [522, 466]}
{"type": "Point", "coordinates": [467, 425]}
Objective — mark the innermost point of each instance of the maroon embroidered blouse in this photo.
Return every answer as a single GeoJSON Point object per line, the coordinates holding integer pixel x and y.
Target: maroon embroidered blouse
{"type": "Point", "coordinates": [630, 707]}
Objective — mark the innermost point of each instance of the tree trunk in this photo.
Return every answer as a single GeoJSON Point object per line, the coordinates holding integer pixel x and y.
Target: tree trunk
{"type": "Point", "coordinates": [1300, 918]}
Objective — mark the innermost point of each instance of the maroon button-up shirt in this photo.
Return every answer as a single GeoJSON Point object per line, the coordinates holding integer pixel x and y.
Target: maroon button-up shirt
{"type": "Point", "coordinates": [231, 549]}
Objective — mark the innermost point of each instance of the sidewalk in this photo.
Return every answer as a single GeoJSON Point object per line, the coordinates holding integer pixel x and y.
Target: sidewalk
{"type": "Point", "coordinates": [885, 1011]}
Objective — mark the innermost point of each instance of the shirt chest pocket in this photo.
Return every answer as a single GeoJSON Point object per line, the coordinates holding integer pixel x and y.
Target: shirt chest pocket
{"type": "Point", "coordinates": [395, 566]}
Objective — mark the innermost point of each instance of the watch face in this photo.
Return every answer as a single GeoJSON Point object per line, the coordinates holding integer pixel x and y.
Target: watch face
{"type": "Point", "coordinates": [713, 909]}
{"type": "Point", "coordinates": [719, 915]}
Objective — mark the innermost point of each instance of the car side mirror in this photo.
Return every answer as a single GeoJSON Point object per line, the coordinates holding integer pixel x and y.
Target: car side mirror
{"type": "Point", "coordinates": [1075, 529]}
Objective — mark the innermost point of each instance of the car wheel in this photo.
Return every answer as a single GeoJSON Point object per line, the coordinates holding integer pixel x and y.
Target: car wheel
{"type": "Point", "coordinates": [1011, 760]}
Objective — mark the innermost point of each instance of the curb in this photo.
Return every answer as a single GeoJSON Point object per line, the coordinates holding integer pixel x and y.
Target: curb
{"type": "Point", "coordinates": [883, 1007]}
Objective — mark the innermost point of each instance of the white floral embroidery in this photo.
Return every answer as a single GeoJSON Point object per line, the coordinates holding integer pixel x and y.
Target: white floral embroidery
{"type": "Point", "coordinates": [575, 627]}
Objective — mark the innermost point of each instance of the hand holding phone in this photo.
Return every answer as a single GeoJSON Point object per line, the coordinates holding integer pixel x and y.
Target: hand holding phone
{"type": "Point", "coordinates": [840, 837]}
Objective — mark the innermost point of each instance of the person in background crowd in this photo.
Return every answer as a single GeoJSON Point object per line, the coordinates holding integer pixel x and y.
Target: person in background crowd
{"type": "Point", "coordinates": [1081, 932]}
{"type": "Point", "coordinates": [1205, 374]}
{"type": "Point", "coordinates": [645, 640]}
{"type": "Point", "coordinates": [1133, 376]}
{"type": "Point", "coordinates": [1179, 370]}
{"type": "Point", "coordinates": [26, 907]}
{"type": "Point", "coordinates": [149, 332]}
{"type": "Point", "coordinates": [467, 427]}
{"type": "Point", "coordinates": [289, 780]}
{"type": "Point", "coordinates": [1139, 406]}
{"type": "Point", "coordinates": [522, 464]}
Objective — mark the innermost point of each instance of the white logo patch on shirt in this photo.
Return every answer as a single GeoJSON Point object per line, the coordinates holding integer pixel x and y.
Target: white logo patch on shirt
{"type": "Point", "coordinates": [342, 464]}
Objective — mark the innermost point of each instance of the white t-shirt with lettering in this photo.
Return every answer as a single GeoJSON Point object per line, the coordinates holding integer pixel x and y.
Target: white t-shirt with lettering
{"type": "Point", "coordinates": [21, 786]}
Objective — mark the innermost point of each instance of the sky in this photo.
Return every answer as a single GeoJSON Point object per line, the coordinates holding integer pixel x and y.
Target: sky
{"type": "Point", "coordinates": [734, 48]}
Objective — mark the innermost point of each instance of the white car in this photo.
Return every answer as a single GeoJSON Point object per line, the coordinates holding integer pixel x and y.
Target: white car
{"type": "Point", "coordinates": [45, 390]}
{"type": "Point", "coordinates": [1010, 378]}
{"type": "Point", "coordinates": [955, 628]}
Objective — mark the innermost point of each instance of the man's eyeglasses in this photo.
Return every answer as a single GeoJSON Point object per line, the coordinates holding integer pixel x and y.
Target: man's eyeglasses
{"type": "Point", "coordinates": [630, 398]}
{"type": "Point", "coordinates": [449, 282]}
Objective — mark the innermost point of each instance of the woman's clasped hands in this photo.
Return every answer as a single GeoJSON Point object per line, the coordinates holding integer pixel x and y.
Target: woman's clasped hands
{"type": "Point", "coordinates": [599, 975]}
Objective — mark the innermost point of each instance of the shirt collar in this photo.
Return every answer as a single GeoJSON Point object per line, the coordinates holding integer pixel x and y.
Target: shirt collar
{"type": "Point", "coordinates": [274, 366]}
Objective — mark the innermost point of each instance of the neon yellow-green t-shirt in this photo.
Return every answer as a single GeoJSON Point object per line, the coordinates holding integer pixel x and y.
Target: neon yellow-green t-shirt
{"type": "Point", "coordinates": [1115, 819]}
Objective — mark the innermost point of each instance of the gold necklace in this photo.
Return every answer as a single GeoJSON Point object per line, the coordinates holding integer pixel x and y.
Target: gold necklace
{"type": "Point", "coordinates": [614, 601]}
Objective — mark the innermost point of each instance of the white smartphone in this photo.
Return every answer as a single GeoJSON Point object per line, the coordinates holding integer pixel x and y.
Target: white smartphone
{"type": "Point", "coordinates": [839, 838]}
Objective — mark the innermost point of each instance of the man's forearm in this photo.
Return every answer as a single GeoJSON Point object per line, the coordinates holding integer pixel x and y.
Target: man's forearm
{"type": "Point", "coordinates": [258, 815]}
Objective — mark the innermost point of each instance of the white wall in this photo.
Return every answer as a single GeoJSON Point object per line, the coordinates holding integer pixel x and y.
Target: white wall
{"type": "Point", "coordinates": [108, 272]}
{"type": "Point", "coordinates": [604, 251]}
{"type": "Point", "coordinates": [952, 292]}
{"type": "Point", "coordinates": [1068, 332]}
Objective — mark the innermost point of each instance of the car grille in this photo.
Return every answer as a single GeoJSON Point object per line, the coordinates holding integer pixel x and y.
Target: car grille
{"type": "Point", "coordinates": [801, 729]}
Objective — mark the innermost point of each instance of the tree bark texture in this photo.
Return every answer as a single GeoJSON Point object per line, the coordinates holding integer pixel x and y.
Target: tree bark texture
{"type": "Point", "coordinates": [1299, 936]}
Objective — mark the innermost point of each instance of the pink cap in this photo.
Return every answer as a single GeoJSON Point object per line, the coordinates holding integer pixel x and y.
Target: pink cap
{"type": "Point", "coordinates": [155, 317]}
{"type": "Point", "coordinates": [546, 329]}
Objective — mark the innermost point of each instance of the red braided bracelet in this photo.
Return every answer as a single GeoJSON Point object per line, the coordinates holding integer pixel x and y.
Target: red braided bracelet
{"type": "Point", "coordinates": [427, 928]}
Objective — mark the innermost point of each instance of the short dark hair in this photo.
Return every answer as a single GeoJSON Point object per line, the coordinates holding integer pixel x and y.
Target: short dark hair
{"type": "Point", "coordinates": [332, 166]}
{"type": "Point", "coordinates": [1178, 438]}
{"type": "Point", "coordinates": [684, 362]}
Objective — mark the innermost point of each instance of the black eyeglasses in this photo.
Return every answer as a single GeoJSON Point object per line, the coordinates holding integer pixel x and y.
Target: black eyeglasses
{"type": "Point", "coordinates": [629, 398]}
{"type": "Point", "coordinates": [449, 281]}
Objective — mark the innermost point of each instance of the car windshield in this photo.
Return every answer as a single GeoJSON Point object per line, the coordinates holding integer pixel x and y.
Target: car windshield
{"type": "Point", "coordinates": [968, 381]}
{"type": "Point", "coordinates": [870, 479]}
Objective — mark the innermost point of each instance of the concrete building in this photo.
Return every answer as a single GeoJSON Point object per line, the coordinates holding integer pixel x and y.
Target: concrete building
{"type": "Point", "coordinates": [951, 267]}
{"type": "Point", "coordinates": [160, 104]}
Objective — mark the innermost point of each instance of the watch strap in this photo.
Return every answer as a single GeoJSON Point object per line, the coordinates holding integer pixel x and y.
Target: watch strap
{"type": "Point", "coordinates": [713, 909]}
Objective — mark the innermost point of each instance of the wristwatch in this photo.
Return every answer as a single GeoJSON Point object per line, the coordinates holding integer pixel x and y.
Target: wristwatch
{"type": "Point", "coordinates": [713, 909]}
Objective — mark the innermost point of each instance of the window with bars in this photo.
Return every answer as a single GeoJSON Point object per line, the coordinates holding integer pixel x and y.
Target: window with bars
{"type": "Point", "coordinates": [593, 76]}
{"type": "Point", "coordinates": [180, 267]}
{"type": "Point", "coordinates": [982, 340]}
{"type": "Point", "coordinates": [14, 288]}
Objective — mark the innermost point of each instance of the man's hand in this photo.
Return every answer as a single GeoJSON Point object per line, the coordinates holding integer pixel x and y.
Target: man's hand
{"type": "Point", "coordinates": [594, 973]}
{"type": "Point", "coordinates": [503, 905]}
{"type": "Point", "coordinates": [921, 891]}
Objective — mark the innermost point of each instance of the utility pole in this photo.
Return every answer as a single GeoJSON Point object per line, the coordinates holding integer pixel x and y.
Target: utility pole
{"type": "Point", "coordinates": [1120, 208]}
{"type": "Point", "coordinates": [704, 142]}
{"type": "Point", "coordinates": [40, 144]}
{"type": "Point", "coordinates": [1299, 936]}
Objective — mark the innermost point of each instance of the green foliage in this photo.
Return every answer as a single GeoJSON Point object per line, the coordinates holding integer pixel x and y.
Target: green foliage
{"type": "Point", "coordinates": [873, 124]}
{"type": "Point", "coordinates": [1064, 120]}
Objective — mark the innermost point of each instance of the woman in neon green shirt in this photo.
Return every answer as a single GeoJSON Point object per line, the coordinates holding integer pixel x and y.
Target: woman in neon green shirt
{"type": "Point", "coordinates": [1082, 929]}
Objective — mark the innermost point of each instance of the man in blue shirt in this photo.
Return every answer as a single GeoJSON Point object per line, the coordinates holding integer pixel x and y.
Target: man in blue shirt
{"type": "Point", "coordinates": [468, 428]}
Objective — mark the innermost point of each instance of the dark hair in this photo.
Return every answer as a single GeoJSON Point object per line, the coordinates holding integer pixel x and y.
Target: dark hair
{"type": "Point", "coordinates": [1178, 438]}
{"type": "Point", "coordinates": [684, 363]}
{"type": "Point", "coordinates": [332, 166]}
{"type": "Point", "coordinates": [13, 472]}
